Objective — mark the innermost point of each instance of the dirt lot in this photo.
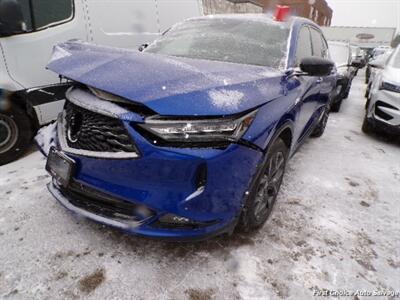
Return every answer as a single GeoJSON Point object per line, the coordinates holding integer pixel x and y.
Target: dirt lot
{"type": "Point", "coordinates": [336, 226]}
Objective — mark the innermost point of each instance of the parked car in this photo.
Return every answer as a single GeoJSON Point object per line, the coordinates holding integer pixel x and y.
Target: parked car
{"type": "Point", "coordinates": [30, 29]}
{"type": "Point", "coordinates": [375, 66]}
{"type": "Point", "coordinates": [383, 104]}
{"type": "Point", "coordinates": [358, 56]}
{"type": "Point", "coordinates": [378, 51]}
{"type": "Point", "coordinates": [191, 137]}
{"type": "Point", "coordinates": [346, 69]}
{"type": "Point", "coordinates": [376, 62]}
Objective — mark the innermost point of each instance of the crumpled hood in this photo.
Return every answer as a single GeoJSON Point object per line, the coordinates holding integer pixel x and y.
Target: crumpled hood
{"type": "Point", "coordinates": [168, 85]}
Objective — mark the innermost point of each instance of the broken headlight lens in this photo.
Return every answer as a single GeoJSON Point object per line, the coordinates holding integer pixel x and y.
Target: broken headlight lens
{"type": "Point", "coordinates": [200, 130]}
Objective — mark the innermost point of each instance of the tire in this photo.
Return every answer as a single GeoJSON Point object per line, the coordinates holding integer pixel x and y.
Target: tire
{"type": "Point", "coordinates": [265, 188]}
{"type": "Point", "coordinates": [15, 134]}
{"type": "Point", "coordinates": [367, 91]}
{"type": "Point", "coordinates": [336, 106]}
{"type": "Point", "coordinates": [367, 127]}
{"type": "Point", "coordinates": [367, 103]}
{"type": "Point", "coordinates": [320, 128]}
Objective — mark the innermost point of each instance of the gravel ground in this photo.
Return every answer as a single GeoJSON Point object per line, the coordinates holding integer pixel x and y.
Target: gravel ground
{"type": "Point", "coordinates": [335, 227]}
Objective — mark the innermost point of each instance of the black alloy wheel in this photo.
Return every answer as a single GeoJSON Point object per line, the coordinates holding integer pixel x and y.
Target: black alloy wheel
{"type": "Point", "coordinates": [265, 188]}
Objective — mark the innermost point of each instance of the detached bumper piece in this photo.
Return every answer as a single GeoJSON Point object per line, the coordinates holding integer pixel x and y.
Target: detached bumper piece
{"type": "Point", "coordinates": [100, 206]}
{"type": "Point", "coordinates": [116, 212]}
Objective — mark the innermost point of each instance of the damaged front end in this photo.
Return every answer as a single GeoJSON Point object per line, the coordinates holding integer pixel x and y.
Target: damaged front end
{"type": "Point", "coordinates": [110, 165]}
{"type": "Point", "coordinates": [126, 164]}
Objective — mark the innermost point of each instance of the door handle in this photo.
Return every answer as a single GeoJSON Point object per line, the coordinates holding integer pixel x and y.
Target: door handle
{"type": "Point", "coordinates": [319, 80]}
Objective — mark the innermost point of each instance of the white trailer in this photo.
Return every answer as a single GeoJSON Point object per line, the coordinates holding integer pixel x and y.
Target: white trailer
{"type": "Point", "coordinates": [31, 96]}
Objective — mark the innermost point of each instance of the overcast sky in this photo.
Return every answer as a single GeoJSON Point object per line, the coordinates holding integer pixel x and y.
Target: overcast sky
{"type": "Point", "coordinates": [374, 13]}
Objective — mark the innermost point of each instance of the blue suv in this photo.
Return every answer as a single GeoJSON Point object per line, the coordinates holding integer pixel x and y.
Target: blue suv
{"type": "Point", "coordinates": [190, 137]}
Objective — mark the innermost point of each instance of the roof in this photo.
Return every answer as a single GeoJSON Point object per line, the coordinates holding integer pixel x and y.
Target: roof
{"type": "Point", "coordinates": [259, 18]}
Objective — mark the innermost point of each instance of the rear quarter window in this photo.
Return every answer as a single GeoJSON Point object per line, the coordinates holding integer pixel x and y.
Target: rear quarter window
{"type": "Point", "coordinates": [304, 48]}
{"type": "Point", "coordinates": [320, 48]}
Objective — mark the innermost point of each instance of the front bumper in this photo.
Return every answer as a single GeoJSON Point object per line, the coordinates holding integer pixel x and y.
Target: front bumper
{"type": "Point", "coordinates": [206, 186]}
{"type": "Point", "coordinates": [384, 107]}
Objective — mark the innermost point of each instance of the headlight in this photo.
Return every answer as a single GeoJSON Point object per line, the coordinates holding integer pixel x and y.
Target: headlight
{"type": "Point", "coordinates": [199, 130]}
{"type": "Point", "coordinates": [389, 87]}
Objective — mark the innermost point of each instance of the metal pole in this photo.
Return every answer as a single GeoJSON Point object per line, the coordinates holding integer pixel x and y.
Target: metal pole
{"type": "Point", "coordinates": [32, 15]}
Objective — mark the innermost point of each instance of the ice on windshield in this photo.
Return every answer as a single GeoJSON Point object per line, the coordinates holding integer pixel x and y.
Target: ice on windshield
{"type": "Point", "coordinates": [236, 40]}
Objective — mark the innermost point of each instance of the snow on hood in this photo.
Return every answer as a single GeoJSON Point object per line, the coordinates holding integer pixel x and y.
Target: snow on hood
{"type": "Point", "coordinates": [168, 85]}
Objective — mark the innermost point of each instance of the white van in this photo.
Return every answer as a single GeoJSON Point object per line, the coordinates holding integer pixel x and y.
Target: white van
{"type": "Point", "coordinates": [30, 28]}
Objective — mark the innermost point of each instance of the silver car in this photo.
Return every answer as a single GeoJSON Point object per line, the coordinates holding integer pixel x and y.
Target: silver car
{"type": "Point", "coordinates": [383, 104]}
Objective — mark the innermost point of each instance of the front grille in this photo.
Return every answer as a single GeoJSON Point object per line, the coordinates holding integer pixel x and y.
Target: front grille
{"type": "Point", "coordinates": [380, 113]}
{"type": "Point", "coordinates": [104, 205]}
{"type": "Point", "coordinates": [91, 131]}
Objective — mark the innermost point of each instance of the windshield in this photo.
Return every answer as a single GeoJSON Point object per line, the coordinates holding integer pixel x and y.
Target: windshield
{"type": "Point", "coordinates": [339, 53]}
{"type": "Point", "coordinates": [378, 52]}
{"type": "Point", "coordinates": [236, 40]}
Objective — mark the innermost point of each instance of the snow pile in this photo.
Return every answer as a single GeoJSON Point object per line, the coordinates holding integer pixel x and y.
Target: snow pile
{"type": "Point", "coordinates": [226, 98]}
{"type": "Point", "coordinates": [45, 138]}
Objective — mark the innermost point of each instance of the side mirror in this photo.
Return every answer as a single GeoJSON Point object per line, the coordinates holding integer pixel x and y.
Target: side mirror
{"type": "Point", "coordinates": [11, 18]}
{"type": "Point", "coordinates": [142, 47]}
{"type": "Point", "coordinates": [316, 66]}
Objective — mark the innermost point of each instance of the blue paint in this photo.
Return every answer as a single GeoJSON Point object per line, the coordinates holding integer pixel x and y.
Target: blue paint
{"type": "Point", "coordinates": [163, 177]}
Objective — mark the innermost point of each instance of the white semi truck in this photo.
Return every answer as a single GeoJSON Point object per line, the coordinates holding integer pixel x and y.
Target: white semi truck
{"type": "Point", "coordinates": [31, 96]}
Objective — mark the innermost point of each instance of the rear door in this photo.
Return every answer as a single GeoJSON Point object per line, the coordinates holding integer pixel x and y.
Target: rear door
{"type": "Point", "coordinates": [310, 86]}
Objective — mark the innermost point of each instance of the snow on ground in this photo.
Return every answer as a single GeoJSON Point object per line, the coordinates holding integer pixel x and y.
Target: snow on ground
{"type": "Point", "coordinates": [336, 226]}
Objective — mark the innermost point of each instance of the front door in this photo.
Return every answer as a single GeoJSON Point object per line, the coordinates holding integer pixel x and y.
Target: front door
{"type": "Point", "coordinates": [46, 22]}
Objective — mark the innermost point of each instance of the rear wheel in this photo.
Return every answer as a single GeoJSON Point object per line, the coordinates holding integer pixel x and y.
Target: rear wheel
{"type": "Point", "coordinates": [336, 106]}
{"type": "Point", "coordinates": [15, 134]}
{"type": "Point", "coordinates": [320, 129]}
{"type": "Point", "coordinates": [265, 188]}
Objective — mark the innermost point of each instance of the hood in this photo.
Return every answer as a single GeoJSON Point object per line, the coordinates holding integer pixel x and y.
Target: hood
{"type": "Point", "coordinates": [391, 75]}
{"type": "Point", "coordinates": [168, 85]}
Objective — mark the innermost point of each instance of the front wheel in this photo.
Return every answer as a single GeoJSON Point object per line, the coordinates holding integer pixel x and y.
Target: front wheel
{"type": "Point", "coordinates": [15, 134]}
{"type": "Point", "coordinates": [265, 188]}
{"type": "Point", "coordinates": [367, 127]}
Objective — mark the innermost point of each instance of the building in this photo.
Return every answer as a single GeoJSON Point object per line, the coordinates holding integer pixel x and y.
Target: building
{"type": "Point", "coordinates": [211, 7]}
{"type": "Point", "coordinates": [316, 10]}
{"type": "Point", "coordinates": [364, 37]}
